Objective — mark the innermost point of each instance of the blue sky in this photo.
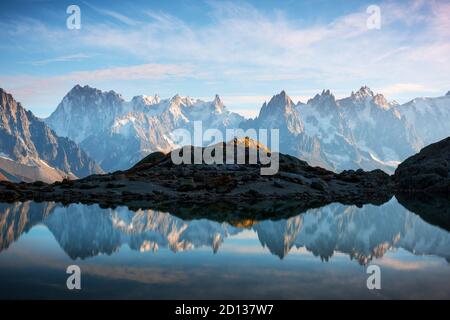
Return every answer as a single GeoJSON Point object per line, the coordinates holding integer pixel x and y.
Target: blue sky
{"type": "Point", "coordinates": [245, 51]}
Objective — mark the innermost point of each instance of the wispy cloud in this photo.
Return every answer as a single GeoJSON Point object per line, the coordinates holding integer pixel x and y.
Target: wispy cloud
{"type": "Point", "coordinates": [128, 73]}
{"type": "Point", "coordinates": [138, 72]}
{"type": "Point", "coordinates": [391, 262]}
{"type": "Point", "coordinates": [242, 50]}
{"type": "Point", "coordinates": [120, 17]}
{"type": "Point", "coordinates": [39, 90]}
{"type": "Point", "coordinates": [243, 36]}
{"type": "Point", "coordinates": [113, 14]}
{"type": "Point", "coordinates": [66, 58]}
{"type": "Point", "coordinates": [397, 88]}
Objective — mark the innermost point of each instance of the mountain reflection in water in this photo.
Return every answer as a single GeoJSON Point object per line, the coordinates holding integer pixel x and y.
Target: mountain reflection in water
{"type": "Point", "coordinates": [262, 251]}
{"type": "Point", "coordinates": [363, 234]}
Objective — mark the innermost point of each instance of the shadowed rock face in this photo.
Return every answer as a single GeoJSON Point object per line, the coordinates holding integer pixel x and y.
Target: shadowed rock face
{"type": "Point", "coordinates": [30, 150]}
{"type": "Point", "coordinates": [428, 171]}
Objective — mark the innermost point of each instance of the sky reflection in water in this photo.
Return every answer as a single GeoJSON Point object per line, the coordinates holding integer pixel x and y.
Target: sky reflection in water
{"type": "Point", "coordinates": [322, 253]}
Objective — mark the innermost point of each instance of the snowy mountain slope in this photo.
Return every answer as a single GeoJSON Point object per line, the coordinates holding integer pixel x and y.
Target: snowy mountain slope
{"type": "Point", "coordinates": [430, 118]}
{"type": "Point", "coordinates": [85, 111]}
{"type": "Point", "coordinates": [39, 171]}
{"type": "Point", "coordinates": [281, 113]}
{"type": "Point", "coordinates": [30, 150]}
{"type": "Point", "coordinates": [363, 130]}
{"type": "Point", "coordinates": [324, 122]}
{"type": "Point", "coordinates": [377, 127]}
{"type": "Point", "coordinates": [118, 133]}
{"type": "Point", "coordinates": [337, 134]}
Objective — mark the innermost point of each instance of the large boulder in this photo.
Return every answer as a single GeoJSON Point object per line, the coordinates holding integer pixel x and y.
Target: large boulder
{"type": "Point", "coordinates": [427, 171]}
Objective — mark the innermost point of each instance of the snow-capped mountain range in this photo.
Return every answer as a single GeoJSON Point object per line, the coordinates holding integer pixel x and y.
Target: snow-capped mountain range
{"type": "Point", "coordinates": [363, 130]}
{"type": "Point", "coordinates": [91, 127]}
{"type": "Point", "coordinates": [119, 133]}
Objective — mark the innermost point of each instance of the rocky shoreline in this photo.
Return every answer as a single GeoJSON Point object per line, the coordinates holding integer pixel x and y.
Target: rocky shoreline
{"type": "Point", "coordinates": [156, 179]}
{"type": "Point", "coordinates": [426, 172]}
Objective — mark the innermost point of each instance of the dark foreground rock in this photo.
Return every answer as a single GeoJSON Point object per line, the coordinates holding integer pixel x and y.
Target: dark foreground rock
{"type": "Point", "coordinates": [157, 179]}
{"type": "Point", "coordinates": [428, 171]}
{"type": "Point", "coordinates": [433, 209]}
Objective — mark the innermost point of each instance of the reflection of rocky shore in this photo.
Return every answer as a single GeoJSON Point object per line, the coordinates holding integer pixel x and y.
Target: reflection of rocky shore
{"type": "Point", "coordinates": [434, 210]}
{"type": "Point", "coordinates": [362, 233]}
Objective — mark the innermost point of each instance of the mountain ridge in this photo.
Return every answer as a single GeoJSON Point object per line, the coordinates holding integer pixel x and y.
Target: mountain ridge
{"type": "Point", "coordinates": [363, 130]}
{"type": "Point", "coordinates": [30, 150]}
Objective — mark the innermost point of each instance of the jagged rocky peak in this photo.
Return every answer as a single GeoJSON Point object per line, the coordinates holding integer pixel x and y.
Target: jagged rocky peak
{"type": "Point", "coordinates": [88, 93]}
{"type": "Point", "coordinates": [181, 100]}
{"type": "Point", "coordinates": [217, 100]}
{"type": "Point", "coordinates": [326, 92]}
{"type": "Point", "coordinates": [279, 103]}
{"type": "Point", "coordinates": [325, 97]}
{"type": "Point", "coordinates": [143, 100]}
{"type": "Point", "coordinates": [281, 99]}
{"type": "Point", "coordinates": [3, 93]}
{"type": "Point", "coordinates": [85, 111]}
{"type": "Point", "coordinates": [156, 98]}
{"type": "Point", "coordinates": [6, 99]}
{"type": "Point", "coordinates": [10, 112]}
{"type": "Point", "coordinates": [78, 89]}
{"type": "Point", "coordinates": [218, 104]}
{"type": "Point", "coordinates": [88, 97]}
{"type": "Point", "coordinates": [362, 93]}
{"type": "Point", "coordinates": [448, 93]}
{"type": "Point", "coordinates": [366, 94]}
{"type": "Point", "coordinates": [381, 101]}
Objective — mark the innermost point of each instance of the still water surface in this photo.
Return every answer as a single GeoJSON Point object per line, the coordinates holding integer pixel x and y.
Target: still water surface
{"type": "Point", "coordinates": [321, 253]}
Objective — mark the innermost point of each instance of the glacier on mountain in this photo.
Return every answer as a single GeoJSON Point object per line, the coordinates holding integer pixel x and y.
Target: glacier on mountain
{"type": "Point", "coordinates": [363, 130]}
